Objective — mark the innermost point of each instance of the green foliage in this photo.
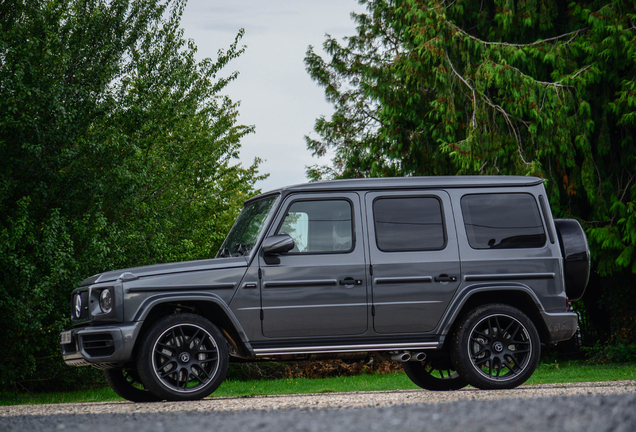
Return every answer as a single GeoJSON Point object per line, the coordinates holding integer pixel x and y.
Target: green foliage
{"type": "Point", "coordinates": [544, 88]}
{"type": "Point", "coordinates": [619, 353]}
{"type": "Point", "coordinates": [117, 150]}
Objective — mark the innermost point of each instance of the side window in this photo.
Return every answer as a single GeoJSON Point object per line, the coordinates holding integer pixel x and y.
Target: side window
{"type": "Point", "coordinates": [408, 224]}
{"type": "Point", "coordinates": [319, 226]}
{"type": "Point", "coordinates": [502, 221]}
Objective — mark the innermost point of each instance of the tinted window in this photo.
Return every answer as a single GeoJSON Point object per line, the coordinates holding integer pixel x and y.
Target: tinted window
{"type": "Point", "coordinates": [502, 221]}
{"type": "Point", "coordinates": [408, 224]}
{"type": "Point", "coordinates": [247, 228]}
{"type": "Point", "coordinates": [319, 226]}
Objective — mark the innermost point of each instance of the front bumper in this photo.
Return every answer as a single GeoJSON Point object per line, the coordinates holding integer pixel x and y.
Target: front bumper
{"type": "Point", "coordinates": [100, 346]}
{"type": "Point", "coordinates": [561, 326]}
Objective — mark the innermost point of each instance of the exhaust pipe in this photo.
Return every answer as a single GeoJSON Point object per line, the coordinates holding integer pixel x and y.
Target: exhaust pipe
{"type": "Point", "coordinates": [401, 357]}
{"type": "Point", "coordinates": [420, 356]}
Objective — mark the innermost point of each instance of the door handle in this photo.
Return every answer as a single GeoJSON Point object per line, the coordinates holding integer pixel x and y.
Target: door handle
{"type": "Point", "coordinates": [350, 281]}
{"type": "Point", "coordinates": [445, 278]}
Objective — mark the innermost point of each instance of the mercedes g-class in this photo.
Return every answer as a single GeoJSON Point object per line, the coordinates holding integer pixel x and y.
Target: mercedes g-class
{"type": "Point", "coordinates": [459, 278]}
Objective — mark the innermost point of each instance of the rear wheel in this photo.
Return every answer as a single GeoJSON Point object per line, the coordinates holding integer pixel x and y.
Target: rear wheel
{"type": "Point", "coordinates": [495, 347]}
{"type": "Point", "coordinates": [434, 374]}
{"type": "Point", "coordinates": [127, 384]}
{"type": "Point", "coordinates": [183, 357]}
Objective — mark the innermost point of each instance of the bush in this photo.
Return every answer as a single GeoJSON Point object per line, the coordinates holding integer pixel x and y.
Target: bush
{"type": "Point", "coordinates": [118, 150]}
{"type": "Point", "coordinates": [619, 353]}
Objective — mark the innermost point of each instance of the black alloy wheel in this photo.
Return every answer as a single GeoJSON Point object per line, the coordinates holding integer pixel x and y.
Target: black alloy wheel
{"type": "Point", "coordinates": [183, 357]}
{"type": "Point", "coordinates": [495, 347]}
{"type": "Point", "coordinates": [127, 384]}
{"type": "Point", "coordinates": [434, 374]}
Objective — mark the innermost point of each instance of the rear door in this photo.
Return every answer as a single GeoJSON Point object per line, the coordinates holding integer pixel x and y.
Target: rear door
{"type": "Point", "coordinates": [319, 288]}
{"type": "Point", "coordinates": [414, 258]}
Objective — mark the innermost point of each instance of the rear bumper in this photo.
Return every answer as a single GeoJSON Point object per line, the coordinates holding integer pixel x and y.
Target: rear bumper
{"type": "Point", "coordinates": [102, 346]}
{"type": "Point", "coordinates": [561, 326]}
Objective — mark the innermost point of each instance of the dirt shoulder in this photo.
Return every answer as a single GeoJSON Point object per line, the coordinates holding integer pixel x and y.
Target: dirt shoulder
{"type": "Point", "coordinates": [326, 400]}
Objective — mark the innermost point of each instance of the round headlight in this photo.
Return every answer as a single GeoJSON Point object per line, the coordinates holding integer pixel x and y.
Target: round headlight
{"type": "Point", "coordinates": [106, 301]}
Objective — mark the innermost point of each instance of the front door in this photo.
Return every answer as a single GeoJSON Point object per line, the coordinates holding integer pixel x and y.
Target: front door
{"type": "Point", "coordinates": [414, 257]}
{"type": "Point", "coordinates": [319, 288]}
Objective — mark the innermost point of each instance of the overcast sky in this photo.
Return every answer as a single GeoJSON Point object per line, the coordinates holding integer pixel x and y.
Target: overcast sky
{"type": "Point", "coordinates": [276, 93]}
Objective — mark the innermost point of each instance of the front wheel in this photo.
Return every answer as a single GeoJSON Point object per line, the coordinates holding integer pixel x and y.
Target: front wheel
{"type": "Point", "coordinates": [434, 374]}
{"type": "Point", "coordinates": [183, 357]}
{"type": "Point", "coordinates": [495, 347]}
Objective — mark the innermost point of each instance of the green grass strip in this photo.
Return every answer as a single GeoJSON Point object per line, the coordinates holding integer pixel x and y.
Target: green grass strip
{"type": "Point", "coordinates": [546, 373]}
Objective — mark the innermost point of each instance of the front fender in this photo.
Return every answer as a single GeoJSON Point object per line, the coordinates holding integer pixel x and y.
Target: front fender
{"type": "Point", "coordinates": [200, 299]}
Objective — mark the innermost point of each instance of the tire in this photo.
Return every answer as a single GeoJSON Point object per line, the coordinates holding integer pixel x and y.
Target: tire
{"type": "Point", "coordinates": [495, 346]}
{"type": "Point", "coordinates": [434, 374]}
{"type": "Point", "coordinates": [127, 384]}
{"type": "Point", "coordinates": [183, 357]}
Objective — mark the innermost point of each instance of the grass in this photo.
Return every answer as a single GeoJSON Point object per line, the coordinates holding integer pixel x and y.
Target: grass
{"type": "Point", "coordinates": [548, 372]}
{"type": "Point", "coordinates": [552, 372]}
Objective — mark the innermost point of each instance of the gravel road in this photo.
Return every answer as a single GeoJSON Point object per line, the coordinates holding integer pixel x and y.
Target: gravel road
{"type": "Point", "coordinates": [581, 407]}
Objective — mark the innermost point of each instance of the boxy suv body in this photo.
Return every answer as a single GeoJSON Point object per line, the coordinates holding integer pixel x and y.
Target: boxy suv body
{"type": "Point", "coordinates": [459, 278]}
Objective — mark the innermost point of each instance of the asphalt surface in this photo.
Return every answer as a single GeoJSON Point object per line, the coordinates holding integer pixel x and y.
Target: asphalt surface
{"type": "Point", "coordinates": [595, 412]}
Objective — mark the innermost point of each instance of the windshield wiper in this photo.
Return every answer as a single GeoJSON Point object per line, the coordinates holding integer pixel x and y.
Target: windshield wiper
{"type": "Point", "coordinates": [224, 253]}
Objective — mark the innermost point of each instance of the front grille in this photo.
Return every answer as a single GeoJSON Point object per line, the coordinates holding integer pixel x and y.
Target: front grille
{"type": "Point", "coordinates": [98, 345]}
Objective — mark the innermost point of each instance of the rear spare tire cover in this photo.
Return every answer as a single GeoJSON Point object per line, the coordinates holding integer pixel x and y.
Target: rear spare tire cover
{"type": "Point", "coordinates": [576, 257]}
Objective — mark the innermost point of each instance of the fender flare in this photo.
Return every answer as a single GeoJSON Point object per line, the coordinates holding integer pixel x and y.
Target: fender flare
{"type": "Point", "coordinates": [151, 302]}
{"type": "Point", "coordinates": [462, 298]}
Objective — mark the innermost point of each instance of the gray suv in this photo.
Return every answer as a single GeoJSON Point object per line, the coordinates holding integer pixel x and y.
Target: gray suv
{"type": "Point", "coordinates": [461, 279]}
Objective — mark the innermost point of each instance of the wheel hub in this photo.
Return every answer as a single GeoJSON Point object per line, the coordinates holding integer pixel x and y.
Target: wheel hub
{"type": "Point", "coordinates": [500, 347]}
{"type": "Point", "coordinates": [185, 358]}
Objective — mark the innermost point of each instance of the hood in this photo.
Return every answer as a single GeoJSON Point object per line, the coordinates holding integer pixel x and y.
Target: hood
{"type": "Point", "coordinates": [162, 269]}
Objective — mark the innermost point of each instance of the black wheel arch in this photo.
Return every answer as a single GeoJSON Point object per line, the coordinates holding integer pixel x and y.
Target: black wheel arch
{"type": "Point", "coordinates": [208, 306]}
{"type": "Point", "coordinates": [520, 298]}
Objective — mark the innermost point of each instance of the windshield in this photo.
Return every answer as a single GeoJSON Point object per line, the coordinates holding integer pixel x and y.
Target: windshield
{"type": "Point", "coordinates": [246, 229]}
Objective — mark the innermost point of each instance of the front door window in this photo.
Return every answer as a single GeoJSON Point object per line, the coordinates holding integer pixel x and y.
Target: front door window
{"type": "Point", "coordinates": [319, 226]}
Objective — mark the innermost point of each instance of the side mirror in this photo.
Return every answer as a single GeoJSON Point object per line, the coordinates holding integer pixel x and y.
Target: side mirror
{"type": "Point", "coordinates": [278, 244]}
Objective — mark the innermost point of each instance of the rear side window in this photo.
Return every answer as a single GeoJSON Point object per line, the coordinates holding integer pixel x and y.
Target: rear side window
{"type": "Point", "coordinates": [502, 221]}
{"type": "Point", "coordinates": [408, 224]}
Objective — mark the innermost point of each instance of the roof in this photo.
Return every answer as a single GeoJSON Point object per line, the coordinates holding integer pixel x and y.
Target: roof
{"type": "Point", "coordinates": [422, 182]}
